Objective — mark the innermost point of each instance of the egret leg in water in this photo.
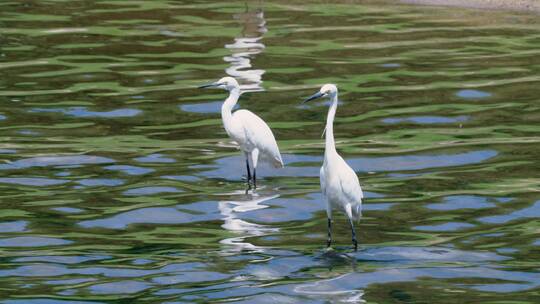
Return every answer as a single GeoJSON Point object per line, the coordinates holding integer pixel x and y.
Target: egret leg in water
{"type": "Point", "coordinates": [248, 130]}
{"type": "Point", "coordinates": [248, 173]}
{"type": "Point", "coordinates": [339, 184]}
{"type": "Point", "coordinates": [329, 240]}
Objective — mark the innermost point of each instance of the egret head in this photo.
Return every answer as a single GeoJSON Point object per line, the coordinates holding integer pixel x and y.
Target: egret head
{"type": "Point", "coordinates": [326, 90]}
{"type": "Point", "coordinates": [225, 83]}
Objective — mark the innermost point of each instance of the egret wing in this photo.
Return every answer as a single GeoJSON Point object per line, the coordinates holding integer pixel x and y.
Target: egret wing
{"type": "Point", "coordinates": [259, 134]}
{"type": "Point", "coordinates": [350, 186]}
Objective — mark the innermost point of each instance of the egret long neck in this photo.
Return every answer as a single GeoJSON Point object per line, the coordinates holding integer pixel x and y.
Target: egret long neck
{"type": "Point", "coordinates": [226, 108]}
{"type": "Point", "coordinates": [330, 144]}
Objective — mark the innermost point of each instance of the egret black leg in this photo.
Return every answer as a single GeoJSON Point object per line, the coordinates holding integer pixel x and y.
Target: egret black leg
{"type": "Point", "coordinates": [248, 175]}
{"type": "Point", "coordinates": [329, 240]}
{"type": "Point", "coordinates": [355, 243]}
{"type": "Point", "coordinates": [254, 178]}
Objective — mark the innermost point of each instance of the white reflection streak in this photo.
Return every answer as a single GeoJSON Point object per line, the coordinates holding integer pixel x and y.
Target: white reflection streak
{"type": "Point", "coordinates": [332, 290]}
{"type": "Point", "coordinates": [230, 211]}
{"type": "Point", "coordinates": [245, 47]}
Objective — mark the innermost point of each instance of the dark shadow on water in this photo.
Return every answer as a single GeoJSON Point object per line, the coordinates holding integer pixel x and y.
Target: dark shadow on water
{"type": "Point", "coordinates": [336, 257]}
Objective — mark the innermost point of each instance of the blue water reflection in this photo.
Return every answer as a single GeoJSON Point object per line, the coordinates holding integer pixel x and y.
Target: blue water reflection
{"type": "Point", "coordinates": [130, 170]}
{"type": "Point", "coordinates": [204, 108]}
{"type": "Point", "coordinates": [227, 167]}
{"type": "Point", "coordinates": [462, 202]}
{"type": "Point", "coordinates": [55, 161]}
{"type": "Point", "coordinates": [449, 226]}
{"type": "Point", "coordinates": [119, 287]}
{"type": "Point", "coordinates": [14, 226]}
{"type": "Point", "coordinates": [157, 215]}
{"type": "Point", "coordinates": [32, 241]}
{"type": "Point", "coordinates": [72, 259]}
{"type": "Point", "coordinates": [83, 112]}
{"type": "Point", "coordinates": [472, 94]}
{"type": "Point", "coordinates": [151, 190]}
{"type": "Point", "coordinates": [96, 182]}
{"type": "Point", "coordinates": [32, 181]}
{"type": "Point", "coordinates": [426, 119]}
{"type": "Point", "coordinates": [154, 158]}
{"type": "Point", "coordinates": [68, 209]}
{"type": "Point", "coordinates": [529, 212]}
{"type": "Point", "coordinates": [47, 301]}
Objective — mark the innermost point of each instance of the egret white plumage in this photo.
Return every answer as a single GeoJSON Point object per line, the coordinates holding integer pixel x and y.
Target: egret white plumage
{"type": "Point", "coordinates": [339, 183]}
{"type": "Point", "coordinates": [251, 133]}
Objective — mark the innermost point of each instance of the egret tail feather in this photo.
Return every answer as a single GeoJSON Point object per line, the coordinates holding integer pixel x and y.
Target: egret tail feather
{"type": "Point", "coordinates": [278, 163]}
{"type": "Point", "coordinates": [358, 213]}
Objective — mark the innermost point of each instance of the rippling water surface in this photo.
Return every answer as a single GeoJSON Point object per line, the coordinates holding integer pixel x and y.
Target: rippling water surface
{"type": "Point", "coordinates": [118, 183]}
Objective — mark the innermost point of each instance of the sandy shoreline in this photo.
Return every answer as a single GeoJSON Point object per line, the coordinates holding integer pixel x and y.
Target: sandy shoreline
{"type": "Point", "coordinates": [515, 5]}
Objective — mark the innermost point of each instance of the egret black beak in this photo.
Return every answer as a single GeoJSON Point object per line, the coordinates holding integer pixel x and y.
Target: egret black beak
{"type": "Point", "coordinates": [314, 96]}
{"type": "Point", "coordinates": [210, 85]}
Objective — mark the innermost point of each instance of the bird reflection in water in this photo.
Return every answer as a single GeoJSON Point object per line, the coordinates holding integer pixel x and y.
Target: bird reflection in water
{"type": "Point", "coordinates": [335, 290]}
{"type": "Point", "coordinates": [232, 211]}
{"type": "Point", "coordinates": [245, 48]}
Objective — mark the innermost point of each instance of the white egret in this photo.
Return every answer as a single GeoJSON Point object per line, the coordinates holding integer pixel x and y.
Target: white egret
{"type": "Point", "coordinates": [248, 130]}
{"type": "Point", "coordinates": [339, 183]}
